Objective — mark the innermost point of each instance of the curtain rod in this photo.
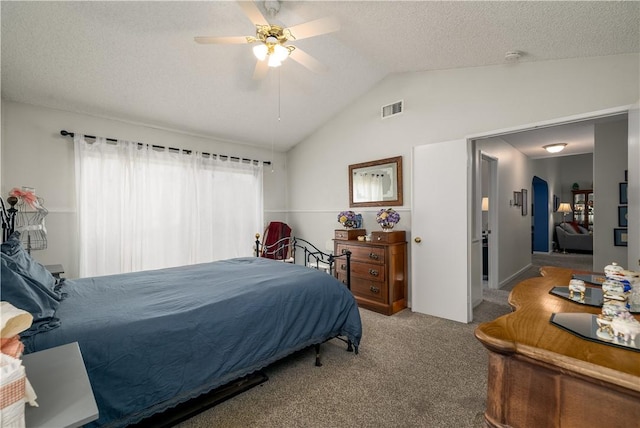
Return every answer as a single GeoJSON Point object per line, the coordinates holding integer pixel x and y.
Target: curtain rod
{"type": "Point", "coordinates": [72, 134]}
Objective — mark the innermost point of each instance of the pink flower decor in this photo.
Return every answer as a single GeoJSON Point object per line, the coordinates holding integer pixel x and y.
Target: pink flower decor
{"type": "Point", "coordinates": [26, 195]}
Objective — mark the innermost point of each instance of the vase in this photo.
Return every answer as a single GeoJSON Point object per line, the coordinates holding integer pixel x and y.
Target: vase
{"type": "Point", "coordinates": [387, 227]}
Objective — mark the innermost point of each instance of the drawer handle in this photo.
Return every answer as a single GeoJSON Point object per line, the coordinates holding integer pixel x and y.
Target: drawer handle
{"type": "Point", "coordinates": [374, 289]}
{"type": "Point", "coordinates": [373, 272]}
{"type": "Point", "coordinates": [373, 256]}
{"type": "Point", "coordinates": [344, 251]}
{"type": "Point", "coordinates": [343, 267]}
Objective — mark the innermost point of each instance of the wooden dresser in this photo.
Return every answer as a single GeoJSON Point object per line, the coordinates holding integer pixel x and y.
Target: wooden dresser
{"type": "Point", "coordinates": [378, 271]}
{"type": "Point", "coordinates": [543, 376]}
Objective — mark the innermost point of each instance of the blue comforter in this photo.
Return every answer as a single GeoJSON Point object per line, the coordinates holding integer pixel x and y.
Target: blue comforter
{"type": "Point", "coordinates": [151, 340]}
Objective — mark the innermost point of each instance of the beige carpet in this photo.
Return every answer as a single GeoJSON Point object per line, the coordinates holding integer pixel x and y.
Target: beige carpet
{"type": "Point", "coordinates": [413, 370]}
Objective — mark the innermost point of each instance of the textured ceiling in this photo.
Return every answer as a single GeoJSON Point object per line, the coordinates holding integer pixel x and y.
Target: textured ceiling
{"type": "Point", "coordinates": [579, 138]}
{"type": "Point", "coordinates": [137, 61]}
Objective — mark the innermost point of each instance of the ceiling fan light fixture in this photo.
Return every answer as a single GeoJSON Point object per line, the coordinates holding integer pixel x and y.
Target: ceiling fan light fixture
{"type": "Point", "coordinates": [554, 148]}
{"type": "Point", "coordinates": [274, 62]}
{"type": "Point", "coordinates": [260, 51]}
{"type": "Point", "coordinates": [280, 52]}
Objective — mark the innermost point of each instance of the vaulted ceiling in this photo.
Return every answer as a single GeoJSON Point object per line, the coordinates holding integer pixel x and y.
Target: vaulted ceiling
{"type": "Point", "coordinates": [137, 61]}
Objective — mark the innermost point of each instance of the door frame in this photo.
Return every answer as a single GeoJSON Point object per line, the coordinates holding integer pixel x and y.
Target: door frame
{"type": "Point", "coordinates": [634, 147]}
{"type": "Point", "coordinates": [422, 300]}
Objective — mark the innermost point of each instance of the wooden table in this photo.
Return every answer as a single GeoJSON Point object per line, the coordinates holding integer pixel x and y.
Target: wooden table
{"type": "Point", "coordinates": [543, 376]}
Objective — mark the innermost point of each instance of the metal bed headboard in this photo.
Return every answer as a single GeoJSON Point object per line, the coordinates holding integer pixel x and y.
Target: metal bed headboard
{"type": "Point", "coordinates": [312, 256]}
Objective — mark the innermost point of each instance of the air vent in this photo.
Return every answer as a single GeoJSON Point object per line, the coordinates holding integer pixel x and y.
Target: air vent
{"type": "Point", "coordinates": [391, 109]}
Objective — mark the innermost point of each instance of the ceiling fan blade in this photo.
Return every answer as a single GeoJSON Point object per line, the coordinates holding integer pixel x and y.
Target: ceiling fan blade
{"type": "Point", "coordinates": [261, 70]}
{"type": "Point", "coordinates": [232, 40]}
{"type": "Point", "coordinates": [253, 13]}
{"type": "Point", "coordinates": [308, 61]}
{"type": "Point", "coordinates": [315, 28]}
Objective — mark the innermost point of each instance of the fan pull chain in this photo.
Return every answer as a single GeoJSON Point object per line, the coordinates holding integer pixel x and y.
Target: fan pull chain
{"type": "Point", "coordinates": [278, 95]}
{"type": "Point", "coordinates": [273, 127]}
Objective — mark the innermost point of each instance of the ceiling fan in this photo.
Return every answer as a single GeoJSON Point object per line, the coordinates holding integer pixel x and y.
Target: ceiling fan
{"type": "Point", "coordinates": [271, 40]}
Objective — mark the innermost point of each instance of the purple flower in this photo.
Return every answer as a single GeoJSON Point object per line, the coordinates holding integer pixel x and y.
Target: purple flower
{"type": "Point", "coordinates": [387, 216]}
{"type": "Point", "coordinates": [347, 218]}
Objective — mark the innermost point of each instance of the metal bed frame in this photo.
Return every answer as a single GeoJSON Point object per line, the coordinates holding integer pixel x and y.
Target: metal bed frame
{"type": "Point", "coordinates": [313, 258]}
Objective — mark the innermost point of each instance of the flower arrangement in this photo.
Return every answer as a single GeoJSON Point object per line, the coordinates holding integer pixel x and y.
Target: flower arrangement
{"type": "Point", "coordinates": [348, 218]}
{"type": "Point", "coordinates": [387, 218]}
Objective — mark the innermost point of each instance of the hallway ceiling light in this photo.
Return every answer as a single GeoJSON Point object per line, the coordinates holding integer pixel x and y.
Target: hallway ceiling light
{"type": "Point", "coordinates": [554, 148]}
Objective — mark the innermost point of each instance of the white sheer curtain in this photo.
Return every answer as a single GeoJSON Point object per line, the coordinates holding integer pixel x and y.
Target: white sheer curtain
{"type": "Point", "coordinates": [142, 208]}
{"type": "Point", "coordinates": [367, 187]}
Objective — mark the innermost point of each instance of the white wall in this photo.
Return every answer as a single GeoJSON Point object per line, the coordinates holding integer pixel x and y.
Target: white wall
{"type": "Point", "coordinates": [610, 161]}
{"type": "Point", "coordinates": [442, 106]}
{"type": "Point", "coordinates": [34, 154]}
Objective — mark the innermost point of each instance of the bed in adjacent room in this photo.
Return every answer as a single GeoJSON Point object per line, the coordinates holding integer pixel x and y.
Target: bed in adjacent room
{"type": "Point", "coordinates": [152, 340]}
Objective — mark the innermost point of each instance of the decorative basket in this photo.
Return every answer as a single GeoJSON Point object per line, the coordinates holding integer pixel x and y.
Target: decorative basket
{"type": "Point", "coordinates": [12, 392]}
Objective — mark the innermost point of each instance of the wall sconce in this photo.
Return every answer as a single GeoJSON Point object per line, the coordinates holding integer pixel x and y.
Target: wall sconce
{"type": "Point", "coordinates": [517, 199]}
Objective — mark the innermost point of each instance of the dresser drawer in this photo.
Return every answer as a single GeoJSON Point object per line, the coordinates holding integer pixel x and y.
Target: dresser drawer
{"type": "Point", "coordinates": [348, 234]}
{"type": "Point", "coordinates": [388, 237]}
{"type": "Point", "coordinates": [369, 290]}
{"type": "Point", "coordinates": [369, 271]}
{"type": "Point", "coordinates": [366, 253]}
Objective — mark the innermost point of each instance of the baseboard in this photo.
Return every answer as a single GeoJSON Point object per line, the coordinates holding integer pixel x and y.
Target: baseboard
{"type": "Point", "coordinates": [511, 278]}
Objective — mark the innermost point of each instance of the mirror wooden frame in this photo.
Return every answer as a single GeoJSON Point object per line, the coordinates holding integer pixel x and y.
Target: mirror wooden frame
{"type": "Point", "coordinates": [398, 182]}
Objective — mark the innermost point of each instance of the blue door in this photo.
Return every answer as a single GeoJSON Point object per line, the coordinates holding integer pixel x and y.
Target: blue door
{"type": "Point", "coordinates": [540, 215]}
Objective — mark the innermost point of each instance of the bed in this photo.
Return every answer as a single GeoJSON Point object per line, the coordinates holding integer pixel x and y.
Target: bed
{"type": "Point", "coordinates": [152, 340]}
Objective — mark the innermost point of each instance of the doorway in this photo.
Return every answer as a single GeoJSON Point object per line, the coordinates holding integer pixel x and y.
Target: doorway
{"type": "Point", "coordinates": [540, 216]}
{"type": "Point", "coordinates": [513, 255]}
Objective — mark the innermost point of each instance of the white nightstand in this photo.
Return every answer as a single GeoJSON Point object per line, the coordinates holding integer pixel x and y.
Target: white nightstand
{"type": "Point", "coordinates": [60, 380]}
{"type": "Point", "coordinates": [56, 270]}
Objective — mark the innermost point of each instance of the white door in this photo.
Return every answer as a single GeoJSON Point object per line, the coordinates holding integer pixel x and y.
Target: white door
{"type": "Point", "coordinates": [440, 281]}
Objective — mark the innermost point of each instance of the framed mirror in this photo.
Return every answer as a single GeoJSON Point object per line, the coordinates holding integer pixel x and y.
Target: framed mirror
{"type": "Point", "coordinates": [376, 183]}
